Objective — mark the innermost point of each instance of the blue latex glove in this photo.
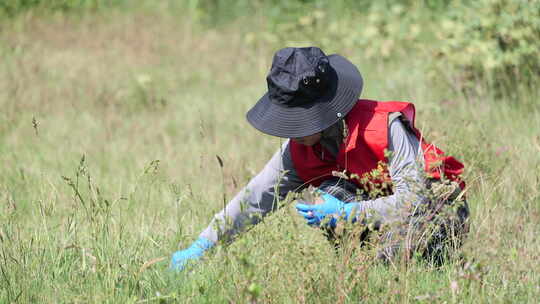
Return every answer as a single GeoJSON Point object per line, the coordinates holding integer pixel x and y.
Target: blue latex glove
{"type": "Point", "coordinates": [332, 209]}
{"type": "Point", "coordinates": [193, 253]}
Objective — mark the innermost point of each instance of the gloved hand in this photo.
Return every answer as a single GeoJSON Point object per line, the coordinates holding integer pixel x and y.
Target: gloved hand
{"type": "Point", "coordinates": [193, 253]}
{"type": "Point", "coordinates": [331, 209]}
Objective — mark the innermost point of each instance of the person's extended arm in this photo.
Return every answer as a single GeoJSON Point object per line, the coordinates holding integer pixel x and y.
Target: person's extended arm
{"type": "Point", "coordinates": [406, 165]}
{"type": "Point", "coordinates": [254, 201]}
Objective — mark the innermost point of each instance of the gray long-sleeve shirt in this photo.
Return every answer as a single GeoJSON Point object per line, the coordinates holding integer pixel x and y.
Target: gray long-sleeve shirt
{"type": "Point", "coordinates": [279, 177]}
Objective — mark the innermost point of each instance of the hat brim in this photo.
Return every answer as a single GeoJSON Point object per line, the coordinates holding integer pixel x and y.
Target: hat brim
{"type": "Point", "coordinates": [293, 122]}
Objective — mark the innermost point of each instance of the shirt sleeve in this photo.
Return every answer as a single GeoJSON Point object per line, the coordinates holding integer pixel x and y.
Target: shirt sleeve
{"type": "Point", "coordinates": [406, 163]}
{"type": "Point", "coordinates": [258, 198]}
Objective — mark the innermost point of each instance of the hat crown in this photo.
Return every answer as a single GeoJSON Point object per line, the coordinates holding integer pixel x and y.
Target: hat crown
{"type": "Point", "coordinates": [298, 76]}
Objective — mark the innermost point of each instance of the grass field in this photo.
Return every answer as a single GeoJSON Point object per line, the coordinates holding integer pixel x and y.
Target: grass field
{"type": "Point", "coordinates": [109, 129]}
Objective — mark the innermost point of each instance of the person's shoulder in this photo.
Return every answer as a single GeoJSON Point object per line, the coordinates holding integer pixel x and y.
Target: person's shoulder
{"type": "Point", "coordinates": [392, 116]}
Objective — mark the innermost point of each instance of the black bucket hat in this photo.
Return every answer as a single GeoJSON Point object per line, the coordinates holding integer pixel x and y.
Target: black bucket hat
{"type": "Point", "coordinates": [307, 93]}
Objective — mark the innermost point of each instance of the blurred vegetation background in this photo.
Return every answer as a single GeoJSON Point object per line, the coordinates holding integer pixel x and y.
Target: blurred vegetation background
{"type": "Point", "coordinates": [113, 112]}
{"type": "Point", "coordinates": [487, 39]}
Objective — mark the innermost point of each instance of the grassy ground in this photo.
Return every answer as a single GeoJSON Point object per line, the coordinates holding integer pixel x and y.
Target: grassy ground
{"type": "Point", "coordinates": [150, 100]}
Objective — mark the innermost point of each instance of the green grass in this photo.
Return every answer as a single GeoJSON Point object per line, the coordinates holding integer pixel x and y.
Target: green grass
{"type": "Point", "coordinates": [125, 90]}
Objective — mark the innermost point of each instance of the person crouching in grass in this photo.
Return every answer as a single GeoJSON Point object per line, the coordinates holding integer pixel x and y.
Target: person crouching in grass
{"type": "Point", "coordinates": [403, 183]}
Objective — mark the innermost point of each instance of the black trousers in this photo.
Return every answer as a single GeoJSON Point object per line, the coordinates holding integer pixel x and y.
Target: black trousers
{"type": "Point", "coordinates": [433, 231]}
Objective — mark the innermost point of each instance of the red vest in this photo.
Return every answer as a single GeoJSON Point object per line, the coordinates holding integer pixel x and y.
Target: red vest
{"type": "Point", "coordinates": [362, 155]}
